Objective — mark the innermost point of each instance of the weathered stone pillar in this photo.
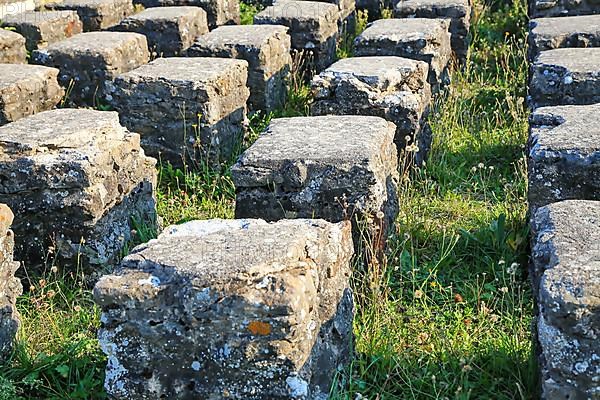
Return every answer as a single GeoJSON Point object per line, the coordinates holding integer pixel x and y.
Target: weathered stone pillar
{"type": "Point", "coordinates": [75, 179]}
{"type": "Point", "coordinates": [239, 309]}
{"type": "Point", "coordinates": [10, 287]}
{"type": "Point", "coordinates": [416, 38]}
{"type": "Point", "coordinates": [566, 281]}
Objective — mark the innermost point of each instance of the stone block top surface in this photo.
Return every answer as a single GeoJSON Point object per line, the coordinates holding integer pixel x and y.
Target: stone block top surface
{"type": "Point", "coordinates": [572, 59]}
{"type": "Point", "coordinates": [344, 141]}
{"type": "Point", "coordinates": [241, 35]}
{"type": "Point", "coordinates": [560, 128]}
{"type": "Point", "coordinates": [378, 71]}
{"type": "Point", "coordinates": [217, 252]}
{"type": "Point", "coordinates": [404, 29]}
{"type": "Point", "coordinates": [95, 43]}
{"type": "Point", "coordinates": [165, 13]}
{"type": "Point", "coordinates": [193, 69]}
{"type": "Point", "coordinates": [557, 32]}
{"type": "Point", "coordinates": [13, 73]}
{"type": "Point", "coordinates": [303, 11]}
{"type": "Point", "coordinates": [447, 8]}
{"type": "Point", "coordinates": [59, 131]}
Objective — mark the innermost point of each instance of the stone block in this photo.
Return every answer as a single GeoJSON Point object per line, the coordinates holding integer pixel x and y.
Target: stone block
{"type": "Point", "coordinates": [331, 167]}
{"type": "Point", "coordinates": [185, 108]}
{"type": "Point", "coordinates": [10, 287]}
{"type": "Point", "coordinates": [239, 309]}
{"type": "Point", "coordinates": [41, 28]}
{"type": "Point", "coordinates": [564, 154]}
{"type": "Point", "coordinates": [561, 32]}
{"type": "Point", "coordinates": [390, 87]}
{"type": "Point", "coordinates": [566, 278]}
{"type": "Point", "coordinates": [75, 180]}
{"type": "Point", "coordinates": [12, 7]}
{"type": "Point", "coordinates": [88, 60]}
{"type": "Point", "coordinates": [12, 48]}
{"type": "Point", "coordinates": [218, 12]}
{"type": "Point", "coordinates": [421, 39]}
{"type": "Point", "coordinates": [565, 76]}
{"type": "Point", "coordinates": [96, 15]}
{"type": "Point", "coordinates": [26, 90]}
{"type": "Point", "coordinates": [266, 48]}
{"type": "Point", "coordinates": [313, 27]}
{"type": "Point", "coordinates": [457, 11]}
{"type": "Point", "coordinates": [560, 8]}
{"type": "Point", "coordinates": [169, 30]}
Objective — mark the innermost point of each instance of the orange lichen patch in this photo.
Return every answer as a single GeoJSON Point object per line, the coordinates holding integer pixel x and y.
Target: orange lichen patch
{"type": "Point", "coordinates": [259, 328]}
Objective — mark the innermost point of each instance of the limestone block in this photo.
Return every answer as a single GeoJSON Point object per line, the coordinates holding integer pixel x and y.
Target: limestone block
{"type": "Point", "coordinates": [390, 87]}
{"type": "Point", "coordinates": [331, 167]}
{"type": "Point", "coordinates": [560, 8]}
{"type": "Point", "coordinates": [313, 27]}
{"type": "Point", "coordinates": [266, 48]}
{"type": "Point", "coordinates": [421, 39]}
{"type": "Point", "coordinates": [238, 309]}
{"type": "Point", "coordinates": [566, 277]}
{"type": "Point", "coordinates": [560, 32]}
{"type": "Point", "coordinates": [219, 12]}
{"type": "Point", "coordinates": [12, 48]}
{"type": "Point", "coordinates": [10, 287]}
{"type": "Point", "coordinates": [96, 15]}
{"type": "Point", "coordinates": [169, 30]}
{"type": "Point", "coordinates": [184, 108]}
{"type": "Point", "coordinates": [458, 11]}
{"type": "Point", "coordinates": [88, 60]}
{"type": "Point", "coordinates": [41, 28]}
{"type": "Point", "coordinates": [75, 179]}
{"type": "Point", "coordinates": [564, 154]}
{"type": "Point", "coordinates": [565, 76]}
{"type": "Point", "coordinates": [26, 90]}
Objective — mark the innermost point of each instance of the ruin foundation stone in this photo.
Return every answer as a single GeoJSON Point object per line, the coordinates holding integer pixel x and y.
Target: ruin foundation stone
{"type": "Point", "coordinates": [564, 154]}
{"type": "Point", "coordinates": [559, 8]}
{"type": "Point", "coordinates": [331, 167]}
{"type": "Point", "coordinates": [26, 90]}
{"type": "Point", "coordinates": [239, 309]}
{"type": "Point", "coordinates": [184, 108]}
{"type": "Point", "coordinates": [390, 87]}
{"type": "Point", "coordinates": [266, 48]}
{"type": "Point", "coordinates": [313, 27]}
{"type": "Point", "coordinates": [75, 180]}
{"type": "Point", "coordinates": [41, 28]}
{"type": "Point", "coordinates": [89, 60]}
{"type": "Point", "coordinates": [566, 279]}
{"type": "Point", "coordinates": [96, 15]}
{"type": "Point", "coordinates": [219, 12]}
{"type": "Point", "coordinates": [565, 76]}
{"type": "Point", "coordinates": [458, 11]}
{"type": "Point", "coordinates": [560, 32]}
{"type": "Point", "coordinates": [10, 287]}
{"type": "Point", "coordinates": [169, 30]}
{"type": "Point", "coordinates": [416, 38]}
{"type": "Point", "coordinates": [12, 48]}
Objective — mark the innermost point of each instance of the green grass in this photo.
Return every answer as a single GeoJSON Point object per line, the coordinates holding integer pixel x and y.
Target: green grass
{"type": "Point", "coordinates": [447, 316]}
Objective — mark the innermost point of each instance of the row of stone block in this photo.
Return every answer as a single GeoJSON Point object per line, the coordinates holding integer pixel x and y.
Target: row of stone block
{"type": "Point", "coordinates": [564, 184]}
{"type": "Point", "coordinates": [98, 15]}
